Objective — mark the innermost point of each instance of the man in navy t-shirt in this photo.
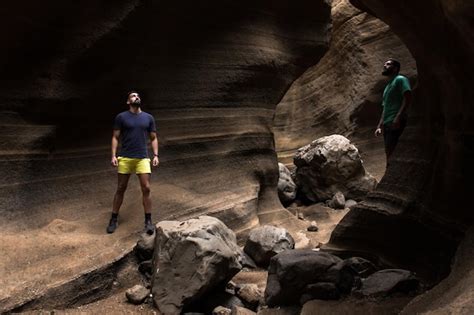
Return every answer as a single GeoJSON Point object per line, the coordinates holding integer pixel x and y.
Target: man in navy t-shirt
{"type": "Point", "coordinates": [133, 128]}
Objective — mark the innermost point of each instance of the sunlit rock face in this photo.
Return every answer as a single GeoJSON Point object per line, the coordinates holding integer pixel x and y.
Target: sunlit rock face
{"type": "Point", "coordinates": [342, 93]}
{"type": "Point", "coordinates": [211, 73]}
{"type": "Point", "coordinates": [416, 217]}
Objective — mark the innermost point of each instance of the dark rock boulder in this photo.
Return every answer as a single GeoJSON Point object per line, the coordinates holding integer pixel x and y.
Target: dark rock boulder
{"type": "Point", "coordinates": [386, 282]}
{"type": "Point", "coordinates": [266, 241]}
{"type": "Point", "coordinates": [192, 258]}
{"type": "Point", "coordinates": [291, 271]}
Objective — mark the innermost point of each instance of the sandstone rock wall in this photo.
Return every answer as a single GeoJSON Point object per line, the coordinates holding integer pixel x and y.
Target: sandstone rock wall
{"type": "Point", "coordinates": [211, 72]}
{"type": "Point", "coordinates": [342, 93]}
{"type": "Point", "coordinates": [418, 213]}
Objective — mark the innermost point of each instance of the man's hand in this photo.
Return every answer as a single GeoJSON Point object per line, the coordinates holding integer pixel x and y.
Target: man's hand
{"type": "Point", "coordinates": [378, 131]}
{"type": "Point", "coordinates": [156, 161]}
{"type": "Point", "coordinates": [114, 161]}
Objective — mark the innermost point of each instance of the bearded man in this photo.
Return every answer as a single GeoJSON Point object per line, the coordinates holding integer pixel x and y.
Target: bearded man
{"type": "Point", "coordinates": [133, 128]}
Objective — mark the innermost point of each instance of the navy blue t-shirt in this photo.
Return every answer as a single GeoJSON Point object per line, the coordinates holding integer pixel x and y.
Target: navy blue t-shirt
{"type": "Point", "coordinates": [134, 133]}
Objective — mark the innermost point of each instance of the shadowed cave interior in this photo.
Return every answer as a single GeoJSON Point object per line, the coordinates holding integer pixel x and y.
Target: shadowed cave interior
{"type": "Point", "coordinates": [234, 88]}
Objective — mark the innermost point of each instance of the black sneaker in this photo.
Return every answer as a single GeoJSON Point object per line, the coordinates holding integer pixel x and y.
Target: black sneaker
{"type": "Point", "coordinates": [113, 223]}
{"type": "Point", "coordinates": [149, 228]}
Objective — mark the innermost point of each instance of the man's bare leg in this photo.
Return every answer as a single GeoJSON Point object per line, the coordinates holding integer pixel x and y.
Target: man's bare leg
{"type": "Point", "coordinates": [145, 186]}
{"type": "Point", "coordinates": [122, 183]}
{"type": "Point", "coordinates": [121, 188]}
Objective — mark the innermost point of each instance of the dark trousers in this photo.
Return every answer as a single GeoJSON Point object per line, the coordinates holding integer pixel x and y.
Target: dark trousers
{"type": "Point", "coordinates": [391, 136]}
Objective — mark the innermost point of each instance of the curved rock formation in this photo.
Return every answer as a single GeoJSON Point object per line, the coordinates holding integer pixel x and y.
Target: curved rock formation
{"type": "Point", "coordinates": [342, 93]}
{"type": "Point", "coordinates": [418, 213]}
{"type": "Point", "coordinates": [211, 72]}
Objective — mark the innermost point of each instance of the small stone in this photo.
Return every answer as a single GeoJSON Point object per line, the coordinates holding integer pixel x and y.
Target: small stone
{"type": "Point", "coordinates": [220, 310]}
{"type": "Point", "coordinates": [300, 215]}
{"type": "Point", "coordinates": [250, 294]}
{"type": "Point", "coordinates": [137, 294]}
{"type": "Point", "coordinates": [145, 246]}
{"type": "Point", "coordinates": [313, 227]}
{"type": "Point", "coordinates": [338, 200]}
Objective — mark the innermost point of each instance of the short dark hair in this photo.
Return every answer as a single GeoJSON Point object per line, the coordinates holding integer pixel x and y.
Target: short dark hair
{"type": "Point", "coordinates": [395, 62]}
{"type": "Point", "coordinates": [130, 92]}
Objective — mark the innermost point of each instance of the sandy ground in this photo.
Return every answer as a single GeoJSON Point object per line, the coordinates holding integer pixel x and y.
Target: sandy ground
{"type": "Point", "coordinates": [51, 251]}
{"type": "Point", "coordinates": [327, 219]}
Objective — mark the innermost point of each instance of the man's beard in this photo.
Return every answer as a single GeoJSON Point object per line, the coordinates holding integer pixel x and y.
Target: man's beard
{"type": "Point", "coordinates": [136, 103]}
{"type": "Point", "coordinates": [387, 72]}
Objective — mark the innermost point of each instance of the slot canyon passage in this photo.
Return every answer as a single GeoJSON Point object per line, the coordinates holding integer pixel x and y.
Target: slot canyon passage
{"type": "Point", "coordinates": [234, 88]}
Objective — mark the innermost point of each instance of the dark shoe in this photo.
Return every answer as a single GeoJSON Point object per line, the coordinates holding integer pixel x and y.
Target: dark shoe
{"type": "Point", "coordinates": [112, 225]}
{"type": "Point", "coordinates": [149, 228]}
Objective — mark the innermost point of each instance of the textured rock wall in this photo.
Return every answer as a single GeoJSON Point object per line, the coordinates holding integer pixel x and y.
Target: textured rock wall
{"type": "Point", "coordinates": [342, 93]}
{"type": "Point", "coordinates": [211, 72]}
{"type": "Point", "coordinates": [421, 207]}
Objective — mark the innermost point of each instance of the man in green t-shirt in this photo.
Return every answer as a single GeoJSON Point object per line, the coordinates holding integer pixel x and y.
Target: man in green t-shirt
{"type": "Point", "coordinates": [396, 99]}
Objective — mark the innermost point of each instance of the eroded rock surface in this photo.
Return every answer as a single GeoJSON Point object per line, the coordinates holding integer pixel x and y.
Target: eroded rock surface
{"type": "Point", "coordinates": [286, 185]}
{"type": "Point", "coordinates": [266, 241]}
{"type": "Point", "coordinates": [386, 282]}
{"type": "Point", "coordinates": [291, 272]}
{"type": "Point", "coordinates": [413, 205]}
{"type": "Point", "coordinates": [210, 72]}
{"type": "Point", "coordinates": [342, 93]}
{"type": "Point", "coordinates": [137, 294]}
{"type": "Point", "coordinates": [191, 259]}
{"type": "Point", "coordinates": [330, 165]}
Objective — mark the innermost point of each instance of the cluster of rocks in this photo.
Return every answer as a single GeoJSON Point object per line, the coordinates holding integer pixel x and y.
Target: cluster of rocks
{"type": "Point", "coordinates": [328, 170]}
{"type": "Point", "coordinates": [190, 265]}
{"type": "Point", "coordinates": [298, 276]}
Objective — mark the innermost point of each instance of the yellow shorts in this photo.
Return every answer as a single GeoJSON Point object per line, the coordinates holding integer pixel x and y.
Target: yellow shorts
{"type": "Point", "coordinates": [132, 165]}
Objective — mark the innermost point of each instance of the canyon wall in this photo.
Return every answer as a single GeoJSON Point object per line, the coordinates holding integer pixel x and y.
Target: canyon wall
{"type": "Point", "coordinates": [419, 211]}
{"type": "Point", "coordinates": [342, 93]}
{"type": "Point", "coordinates": [210, 72]}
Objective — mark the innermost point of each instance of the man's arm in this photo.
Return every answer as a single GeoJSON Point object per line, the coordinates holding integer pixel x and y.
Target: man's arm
{"type": "Point", "coordinates": [378, 131]}
{"type": "Point", "coordinates": [154, 146]}
{"type": "Point", "coordinates": [115, 140]}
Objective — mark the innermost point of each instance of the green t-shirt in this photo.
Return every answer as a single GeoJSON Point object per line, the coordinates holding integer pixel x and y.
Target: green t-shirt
{"type": "Point", "coordinates": [393, 97]}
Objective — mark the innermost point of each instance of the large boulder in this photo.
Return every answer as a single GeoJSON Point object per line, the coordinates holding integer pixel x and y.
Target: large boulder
{"type": "Point", "coordinates": [286, 185]}
{"type": "Point", "coordinates": [266, 241]}
{"type": "Point", "coordinates": [192, 258]}
{"type": "Point", "coordinates": [294, 273]}
{"type": "Point", "coordinates": [331, 164]}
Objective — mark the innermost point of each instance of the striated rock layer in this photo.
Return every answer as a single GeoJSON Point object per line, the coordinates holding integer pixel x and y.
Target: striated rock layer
{"type": "Point", "coordinates": [211, 72]}
{"type": "Point", "coordinates": [342, 93]}
{"type": "Point", "coordinates": [417, 214]}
